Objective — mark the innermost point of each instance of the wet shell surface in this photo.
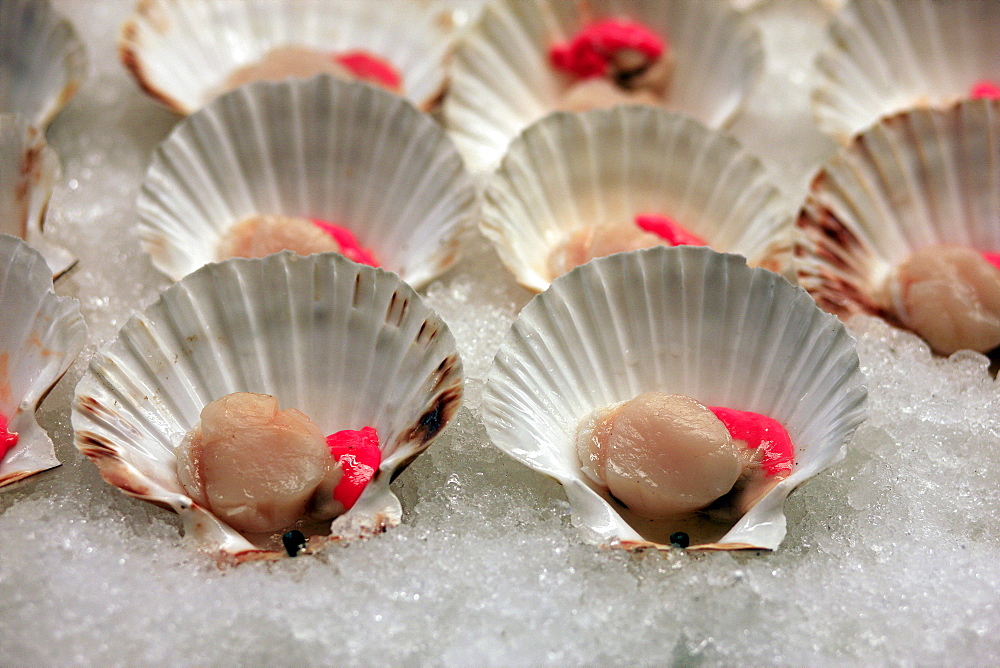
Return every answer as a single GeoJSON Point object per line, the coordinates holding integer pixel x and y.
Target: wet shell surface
{"type": "Point", "coordinates": [885, 56]}
{"type": "Point", "coordinates": [348, 345]}
{"type": "Point", "coordinates": [570, 171]}
{"type": "Point", "coordinates": [917, 179]}
{"type": "Point", "coordinates": [343, 152]}
{"type": "Point", "coordinates": [683, 320]}
{"type": "Point", "coordinates": [181, 51]}
{"type": "Point", "coordinates": [502, 80]}
{"type": "Point", "coordinates": [40, 336]}
{"type": "Point", "coordinates": [42, 61]}
{"type": "Point", "coordinates": [28, 172]}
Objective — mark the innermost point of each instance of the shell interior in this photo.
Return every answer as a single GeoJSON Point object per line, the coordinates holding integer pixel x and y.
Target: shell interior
{"type": "Point", "coordinates": [683, 320]}
{"type": "Point", "coordinates": [346, 344]}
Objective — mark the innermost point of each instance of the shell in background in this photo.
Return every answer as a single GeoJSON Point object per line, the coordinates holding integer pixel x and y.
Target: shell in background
{"type": "Point", "coordinates": [574, 170]}
{"type": "Point", "coordinates": [28, 172]}
{"type": "Point", "coordinates": [885, 56]}
{"type": "Point", "coordinates": [181, 51]}
{"type": "Point", "coordinates": [344, 152]}
{"type": "Point", "coordinates": [920, 178]}
{"type": "Point", "coordinates": [454, 16]}
{"type": "Point", "coordinates": [683, 320]}
{"type": "Point", "coordinates": [348, 345]}
{"type": "Point", "coordinates": [40, 336]}
{"type": "Point", "coordinates": [42, 61]}
{"type": "Point", "coordinates": [502, 81]}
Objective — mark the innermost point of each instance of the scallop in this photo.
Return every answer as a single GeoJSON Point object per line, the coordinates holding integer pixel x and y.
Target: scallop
{"type": "Point", "coordinates": [342, 152]}
{"type": "Point", "coordinates": [181, 52]}
{"type": "Point", "coordinates": [40, 336]}
{"type": "Point", "coordinates": [42, 61]}
{"type": "Point", "coordinates": [346, 345]}
{"type": "Point", "coordinates": [884, 57]}
{"type": "Point", "coordinates": [681, 321]}
{"type": "Point", "coordinates": [593, 173]}
{"type": "Point", "coordinates": [502, 80]}
{"type": "Point", "coordinates": [909, 187]}
{"type": "Point", "coordinates": [28, 172]}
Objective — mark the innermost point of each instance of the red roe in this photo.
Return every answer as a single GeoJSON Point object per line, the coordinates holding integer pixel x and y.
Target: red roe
{"type": "Point", "coordinates": [668, 230]}
{"type": "Point", "coordinates": [359, 457]}
{"type": "Point", "coordinates": [589, 53]}
{"type": "Point", "coordinates": [369, 67]}
{"type": "Point", "coordinates": [760, 433]}
{"type": "Point", "coordinates": [349, 246]}
{"type": "Point", "coordinates": [985, 89]}
{"type": "Point", "coordinates": [992, 258]}
{"type": "Point", "coordinates": [8, 439]}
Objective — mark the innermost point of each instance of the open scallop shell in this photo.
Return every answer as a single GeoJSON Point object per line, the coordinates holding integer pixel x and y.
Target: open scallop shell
{"type": "Point", "coordinates": [42, 62]}
{"type": "Point", "coordinates": [570, 171]}
{"type": "Point", "coordinates": [28, 172]}
{"type": "Point", "coordinates": [344, 152]}
{"type": "Point", "coordinates": [348, 345]}
{"type": "Point", "coordinates": [502, 81]}
{"type": "Point", "coordinates": [181, 51]}
{"type": "Point", "coordinates": [920, 178]}
{"type": "Point", "coordinates": [40, 336]}
{"type": "Point", "coordinates": [885, 56]}
{"type": "Point", "coordinates": [683, 320]}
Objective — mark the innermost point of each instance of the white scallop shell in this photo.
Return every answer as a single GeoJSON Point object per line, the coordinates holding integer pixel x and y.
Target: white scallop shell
{"type": "Point", "coordinates": [501, 79]}
{"type": "Point", "coordinates": [340, 151]}
{"type": "Point", "coordinates": [920, 178]}
{"type": "Point", "coordinates": [42, 62]}
{"type": "Point", "coordinates": [28, 172]}
{"type": "Point", "coordinates": [181, 51]}
{"type": "Point", "coordinates": [348, 345]}
{"type": "Point", "coordinates": [683, 320]}
{"type": "Point", "coordinates": [40, 336]}
{"type": "Point", "coordinates": [885, 56]}
{"type": "Point", "coordinates": [574, 170]}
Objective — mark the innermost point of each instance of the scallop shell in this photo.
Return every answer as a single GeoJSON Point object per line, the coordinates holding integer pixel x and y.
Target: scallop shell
{"type": "Point", "coordinates": [181, 51]}
{"type": "Point", "coordinates": [684, 320]}
{"type": "Point", "coordinates": [570, 171]}
{"type": "Point", "coordinates": [28, 172]}
{"type": "Point", "coordinates": [920, 178]}
{"type": "Point", "coordinates": [885, 56]}
{"type": "Point", "coordinates": [348, 345]}
{"type": "Point", "coordinates": [40, 336]}
{"type": "Point", "coordinates": [340, 151]}
{"type": "Point", "coordinates": [42, 62]}
{"type": "Point", "coordinates": [502, 82]}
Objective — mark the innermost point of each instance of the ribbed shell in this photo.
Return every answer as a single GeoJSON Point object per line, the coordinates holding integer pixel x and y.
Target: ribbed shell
{"type": "Point", "coordinates": [181, 51]}
{"type": "Point", "coordinates": [683, 320]}
{"type": "Point", "coordinates": [348, 345]}
{"type": "Point", "coordinates": [501, 79]}
{"type": "Point", "coordinates": [28, 172]}
{"type": "Point", "coordinates": [42, 62]}
{"type": "Point", "coordinates": [40, 336]}
{"type": "Point", "coordinates": [920, 178]}
{"type": "Point", "coordinates": [344, 152]}
{"type": "Point", "coordinates": [575, 170]}
{"type": "Point", "coordinates": [885, 56]}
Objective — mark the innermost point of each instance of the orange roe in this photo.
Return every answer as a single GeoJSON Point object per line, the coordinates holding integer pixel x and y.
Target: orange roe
{"type": "Point", "coordinates": [370, 67]}
{"type": "Point", "coordinates": [985, 89]}
{"type": "Point", "coordinates": [760, 433]}
{"type": "Point", "coordinates": [8, 439]}
{"type": "Point", "coordinates": [589, 52]}
{"type": "Point", "coordinates": [359, 457]}
{"type": "Point", "coordinates": [668, 230]}
{"type": "Point", "coordinates": [349, 246]}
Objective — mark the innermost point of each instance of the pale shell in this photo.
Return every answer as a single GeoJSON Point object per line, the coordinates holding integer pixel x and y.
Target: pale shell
{"type": "Point", "coordinates": [920, 178]}
{"type": "Point", "coordinates": [683, 320]}
{"type": "Point", "coordinates": [574, 170]}
{"type": "Point", "coordinates": [346, 344]}
{"type": "Point", "coordinates": [181, 51]}
{"type": "Point", "coordinates": [344, 152]}
{"type": "Point", "coordinates": [885, 56]}
{"type": "Point", "coordinates": [40, 336]}
{"type": "Point", "coordinates": [502, 82]}
{"type": "Point", "coordinates": [42, 61]}
{"type": "Point", "coordinates": [28, 172]}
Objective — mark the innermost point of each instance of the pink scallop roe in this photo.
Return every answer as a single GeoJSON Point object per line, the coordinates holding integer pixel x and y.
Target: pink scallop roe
{"type": "Point", "coordinates": [371, 68]}
{"type": "Point", "coordinates": [589, 52]}
{"type": "Point", "coordinates": [359, 457]}
{"type": "Point", "coordinates": [985, 89]}
{"type": "Point", "coordinates": [349, 245]}
{"type": "Point", "coordinates": [760, 433]}
{"type": "Point", "coordinates": [8, 439]}
{"type": "Point", "coordinates": [668, 230]}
